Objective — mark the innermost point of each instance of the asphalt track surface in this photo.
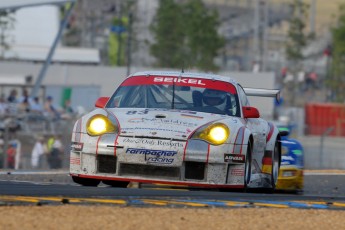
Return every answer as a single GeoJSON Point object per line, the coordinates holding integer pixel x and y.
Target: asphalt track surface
{"type": "Point", "coordinates": [322, 191]}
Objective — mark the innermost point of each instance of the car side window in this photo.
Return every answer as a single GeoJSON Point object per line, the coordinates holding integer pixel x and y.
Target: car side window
{"type": "Point", "coordinates": [243, 97]}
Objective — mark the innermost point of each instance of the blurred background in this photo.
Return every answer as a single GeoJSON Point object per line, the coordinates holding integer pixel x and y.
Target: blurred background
{"type": "Point", "coordinates": [58, 56]}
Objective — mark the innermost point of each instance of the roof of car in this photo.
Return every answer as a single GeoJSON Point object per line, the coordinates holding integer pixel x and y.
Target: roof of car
{"type": "Point", "coordinates": [209, 76]}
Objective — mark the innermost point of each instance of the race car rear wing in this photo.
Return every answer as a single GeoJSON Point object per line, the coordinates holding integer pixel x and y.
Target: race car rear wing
{"type": "Point", "coordinates": [263, 92]}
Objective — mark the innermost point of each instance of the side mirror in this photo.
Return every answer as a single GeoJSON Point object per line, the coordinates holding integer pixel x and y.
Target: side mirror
{"type": "Point", "coordinates": [101, 102]}
{"type": "Point", "coordinates": [250, 112]}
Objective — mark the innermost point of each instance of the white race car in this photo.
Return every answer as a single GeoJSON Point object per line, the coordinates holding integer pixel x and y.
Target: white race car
{"type": "Point", "coordinates": [177, 128]}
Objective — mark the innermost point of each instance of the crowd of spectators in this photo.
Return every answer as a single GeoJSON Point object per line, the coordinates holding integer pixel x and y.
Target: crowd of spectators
{"type": "Point", "coordinates": [26, 105]}
{"type": "Point", "coordinates": [21, 112]}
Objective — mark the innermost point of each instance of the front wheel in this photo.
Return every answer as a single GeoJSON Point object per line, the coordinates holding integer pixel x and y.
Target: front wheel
{"type": "Point", "coordinates": [248, 167]}
{"type": "Point", "coordinates": [275, 166]}
{"type": "Point", "coordinates": [86, 181]}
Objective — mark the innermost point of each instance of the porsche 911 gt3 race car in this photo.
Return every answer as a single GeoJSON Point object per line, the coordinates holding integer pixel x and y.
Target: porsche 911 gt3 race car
{"type": "Point", "coordinates": [291, 176]}
{"type": "Point", "coordinates": [177, 128]}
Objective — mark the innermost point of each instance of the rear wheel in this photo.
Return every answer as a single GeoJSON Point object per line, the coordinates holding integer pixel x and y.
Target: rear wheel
{"type": "Point", "coordinates": [86, 181]}
{"type": "Point", "coordinates": [118, 184]}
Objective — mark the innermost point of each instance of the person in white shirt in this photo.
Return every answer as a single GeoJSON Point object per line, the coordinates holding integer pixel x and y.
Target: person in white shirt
{"type": "Point", "coordinates": [37, 153]}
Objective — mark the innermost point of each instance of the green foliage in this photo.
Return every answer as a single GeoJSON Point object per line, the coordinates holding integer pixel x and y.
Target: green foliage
{"type": "Point", "coordinates": [336, 80]}
{"type": "Point", "coordinates": [297, 38]}
{"type": "Point", "coordinates": [186, 35]}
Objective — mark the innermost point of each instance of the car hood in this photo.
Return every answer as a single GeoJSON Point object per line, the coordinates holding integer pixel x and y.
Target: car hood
{"type": "Point", "coordinates": [160, 123]}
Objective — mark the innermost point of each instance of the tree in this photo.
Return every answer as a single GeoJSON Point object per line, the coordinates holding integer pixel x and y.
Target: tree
{"type": "Point", "coordinates": [297, 38]}
{"type": "Point", "coordinates": [297, 41]}
{"type": "Point", "coordinates": [336, 80]}
{"type": "Point", "coordinates": [6, 24]}
{"type": "Point", "coordinates": [169, 34]}
{"type": "Point", "coordinates": [202, 37]}
{"type": "Point", "coordinates": [185, 35]}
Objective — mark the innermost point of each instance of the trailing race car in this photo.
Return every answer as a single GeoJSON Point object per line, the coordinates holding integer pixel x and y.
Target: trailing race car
{"type": "Point", "coordinates": [177, 128]}
{"type": "Point", "coordinates": [291, 171]}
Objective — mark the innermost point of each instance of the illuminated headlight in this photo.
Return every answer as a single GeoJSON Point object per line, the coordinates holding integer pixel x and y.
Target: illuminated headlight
{"type": "Point", "coordinates": [215, 134]}
{"type": "Point", "coordinates": [288, 173]}
{"type": "Point", "coordinates": [99, 124]}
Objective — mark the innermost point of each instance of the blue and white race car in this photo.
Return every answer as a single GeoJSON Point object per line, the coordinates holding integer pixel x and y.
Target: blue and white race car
{"type": "Point", "coordinates": [177, 128]}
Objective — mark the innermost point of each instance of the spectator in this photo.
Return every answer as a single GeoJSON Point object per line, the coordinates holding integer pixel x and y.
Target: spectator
{"type": "Point", "coordinates": [12, 98]}
{"type": "Point", "coordinates": [3, 106]}
{"type": "Point", "coordinates": [55, 155]}
{"type": "Point", "coordinates": [12, 102]}
{"type": "Point", "coordinates": [36, 106]}
{"type": "Point", "coordinates": [11, 154]}
{"type": "Point", "coordinates": [68, 110]}
{"type": "Point", "coordinates": [50, 110]}
{"type": "Point", "coordinates": [25, 101]}
{"type": "Point", "coordinates": [37, 153]}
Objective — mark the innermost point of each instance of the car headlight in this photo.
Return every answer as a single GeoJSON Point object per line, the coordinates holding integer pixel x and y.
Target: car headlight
{"type": "Point", "coordinates": [289, 173]}
{"type": "Point", "coordinates": [99, 124]}
{"type": "Point", "coordinates": [215, 134]}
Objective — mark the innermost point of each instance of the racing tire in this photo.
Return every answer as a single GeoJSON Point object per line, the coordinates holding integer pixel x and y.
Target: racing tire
{"type": "Point", "coordinates": [86, 181]}
{"type": "Point", "coordinates": [248, 167]}
{"type": "Point", "coordinates": [275, 167]}
{"type": "Point", "coordinates": [117, 184]}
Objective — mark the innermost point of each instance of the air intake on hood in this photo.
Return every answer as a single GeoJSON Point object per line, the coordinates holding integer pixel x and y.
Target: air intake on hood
{"type": "Point", "coordinates": [161, 116]}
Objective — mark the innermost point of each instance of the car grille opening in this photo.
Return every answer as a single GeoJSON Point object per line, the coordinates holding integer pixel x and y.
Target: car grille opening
{"type": "Point", "coordinates": [150, 171]}
{"type": "Point", "coordinates": [106, 164]}
{"type": "Point", "coordinates": [194, 170]}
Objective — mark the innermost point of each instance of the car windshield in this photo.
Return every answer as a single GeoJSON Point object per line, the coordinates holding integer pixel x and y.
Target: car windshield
{"type": "Point", "coordinates": [200, 95]}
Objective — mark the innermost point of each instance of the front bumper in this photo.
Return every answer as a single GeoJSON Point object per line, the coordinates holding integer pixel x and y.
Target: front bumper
{"type": "Point", "coordinates": [289, 182]}
{"type": "Point", "coordinates": [193, 164]}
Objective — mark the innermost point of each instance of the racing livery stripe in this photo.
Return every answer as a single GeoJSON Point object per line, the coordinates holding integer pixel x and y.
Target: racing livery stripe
{"type": "Point", "coordinates": [97, 145]}
{"type": "Point", "coordinates": [180, 81]}
{"type": "Point", "coordinates": [239, 141]}
{"type": "Point", "coordinates": [184, 151]}
{"type": "Point", "coordinates": [119, 130]}
{"type": "Point", "coordinates": [269, 135]}
{"type": "Point", "coordinates": [77, 135]}
{"type": "Point", "coordinates": [205, 185]}
{"type": "Point", "coordinates": [208, 153]}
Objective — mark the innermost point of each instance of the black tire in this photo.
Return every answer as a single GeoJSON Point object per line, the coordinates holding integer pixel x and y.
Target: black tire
{"type": "Point", "coordinates": [117, 184]}
{"type": "Point", "coordinates": [86, 181]}
{"type": "Point", "coordinates": [248, 167]}
{"type": "Point", "coordinates": [275, 166]}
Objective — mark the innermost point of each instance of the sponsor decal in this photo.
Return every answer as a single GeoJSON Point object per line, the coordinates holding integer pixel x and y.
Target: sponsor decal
{"type": "Point", "coordinates": [163, 121]}
{"type": "Point", "coordinates": [157, 153]}
{"type": "Point", "coordinates": [287, 158]}
{"type": "Point", "coordinates": [237, 158]}
{"type": "Point", "coordinates": [77, 146]}
{"type": "Point", "coordinates": [153, 142]}
{"type": "Point", "coordinates": [137, 112]}
{"type": "Point", "coordinates": [190, 81]}
{"type": "Point", "coordinates": [132, 130]}
{"type": "Point", "coordinates": [154, 156]}
{"type": "Point", "coordinates": [74, 160]}
{"type": "Point", "coordinates": [237, 172]}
